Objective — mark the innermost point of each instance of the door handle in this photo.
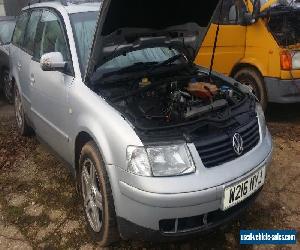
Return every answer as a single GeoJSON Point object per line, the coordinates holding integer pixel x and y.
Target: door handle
{"type": "Point", "coordinates": [19, 66]}
{"type": "Point", "coordinates": [32, 80]}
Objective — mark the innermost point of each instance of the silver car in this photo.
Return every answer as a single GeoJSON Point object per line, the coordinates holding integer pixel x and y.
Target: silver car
{"type": "Point", "coordinates": [160, 147]}
{"type": "Point", "coordinates": [7, 25]}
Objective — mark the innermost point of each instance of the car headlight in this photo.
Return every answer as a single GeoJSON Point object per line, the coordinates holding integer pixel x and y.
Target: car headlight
{"type": "Point", "coordinates": [296, 60]}
{"type": "Point", "coordinates": [261, 120]}
{"type": "Point", "coordinates": [290, 60]}
{"type": "Point", "coordinates": [160, 161]}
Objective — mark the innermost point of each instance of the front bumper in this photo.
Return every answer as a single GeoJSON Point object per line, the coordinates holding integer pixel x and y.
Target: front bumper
{"type": "Point", "coordinates": [145, 206]}
{"type": "Point", "coordinates": [214, 220]}
{"type": "Point", "coordinates": [283, 91]}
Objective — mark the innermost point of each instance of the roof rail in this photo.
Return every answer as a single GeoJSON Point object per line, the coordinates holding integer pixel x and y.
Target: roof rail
{"type": "Point", "coordinates": [64, 2]}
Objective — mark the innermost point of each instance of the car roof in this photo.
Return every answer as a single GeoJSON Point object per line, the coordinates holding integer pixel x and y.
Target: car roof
{"type": "Point", "coordinates": [70, 8]}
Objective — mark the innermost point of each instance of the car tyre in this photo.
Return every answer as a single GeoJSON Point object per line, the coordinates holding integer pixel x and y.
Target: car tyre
{"type": "Point", "coordinates": [7, 86]}
{"type": "Point", "coordinates": [22, 125]}
{"type": "Point", "coordinates": [253, 78]}
{"type": "Point", "coordinates": [96, 196]}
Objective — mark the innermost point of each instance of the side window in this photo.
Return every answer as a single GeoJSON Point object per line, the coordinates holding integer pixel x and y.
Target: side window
{"type": "Point", "coordinates": [31, 31]}
{"type": "Point", "coordinates": [50, 37]}
{"type": "Point", "coordinates": [19, 32]}
{"type": "Point", "coordinates": [232, 12]}
{"type": "Point", "coordinates": [6, 31]}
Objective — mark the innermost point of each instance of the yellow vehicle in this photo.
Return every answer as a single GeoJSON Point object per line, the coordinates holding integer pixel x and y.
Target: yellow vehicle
{"type": "Point", "coordinates": [262, 51]}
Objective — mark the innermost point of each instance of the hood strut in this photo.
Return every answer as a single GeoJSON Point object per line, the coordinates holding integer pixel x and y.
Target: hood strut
{"type": "Point", "coordinates": [216, 40]}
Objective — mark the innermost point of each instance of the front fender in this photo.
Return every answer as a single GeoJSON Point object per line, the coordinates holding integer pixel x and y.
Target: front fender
{"type": "Point", "coordinates": [110, 131]}
{"type": "Point", "coordinates": [13, 75]}
{"type": "Point", "coordinates": [87, 125]}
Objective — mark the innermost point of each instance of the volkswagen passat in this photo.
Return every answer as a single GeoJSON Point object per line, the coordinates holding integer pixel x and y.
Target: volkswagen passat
{"type": "Point", "coordinates": [160, 147]}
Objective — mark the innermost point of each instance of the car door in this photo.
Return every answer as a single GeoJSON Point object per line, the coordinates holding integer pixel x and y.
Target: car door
{"type": "Point", "coordinates": [27, 52]}
{"type": "Point", "coordinates": [3, 46]}
{"type": "Point", "coordinates": [231, 40]}
{"type": "Point", "coordinates": [49, 89]}
{"type": "Point", "coordinates": [20, 60]}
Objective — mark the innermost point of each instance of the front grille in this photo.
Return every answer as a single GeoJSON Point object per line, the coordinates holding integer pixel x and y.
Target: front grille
{"type": "Point", "coordinates": [181, 225]}
{"type": "Point", "coordinates": [219, 150]}
{"type": "Point", "coordinates": [177, 226]}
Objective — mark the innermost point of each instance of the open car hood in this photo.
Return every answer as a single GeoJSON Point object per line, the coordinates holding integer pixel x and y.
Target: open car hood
{"type": "Point", "coordinates": [269, 4]}
{"type": "Point", "coordinates": [294, 4]}
{"type": "Point", "coordinates": [128, 25]}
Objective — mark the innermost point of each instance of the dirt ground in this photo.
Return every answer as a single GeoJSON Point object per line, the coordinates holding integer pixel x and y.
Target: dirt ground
{"type": "Point", "coordinates": [39, 207]}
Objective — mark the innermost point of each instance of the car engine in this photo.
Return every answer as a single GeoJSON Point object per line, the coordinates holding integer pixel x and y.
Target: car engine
{"type": "Point", "coordinates": [166, 101]}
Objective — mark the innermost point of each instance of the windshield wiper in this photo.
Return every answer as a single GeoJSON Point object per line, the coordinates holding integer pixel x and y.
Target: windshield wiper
{"type": "Point", "coordinates": [134, 67]}
{"type": "Point", "coordinates": [169, 61]}
{"type": "Point", "coordinates": [145, 65]}
{"type": "Point", "coordinates": [140, 66]}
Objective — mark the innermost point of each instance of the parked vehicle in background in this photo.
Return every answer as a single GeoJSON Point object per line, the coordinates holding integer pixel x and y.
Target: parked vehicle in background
{"type": "Point", "coordinates": [7, 26]}
{"type": "Point", "coordinates": [161, 148]}
{"type": "Point", "coordinates": [263, 53]}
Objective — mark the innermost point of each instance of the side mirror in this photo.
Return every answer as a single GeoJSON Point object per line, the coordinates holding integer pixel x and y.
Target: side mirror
{"type": "Point", "coordinates": [53, 61]}
{"type": "Point", "coordinates": [250, 18]}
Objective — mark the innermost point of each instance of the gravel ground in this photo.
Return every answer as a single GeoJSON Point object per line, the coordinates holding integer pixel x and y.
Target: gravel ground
{"type": "Point", "coordinates": [39, 206]}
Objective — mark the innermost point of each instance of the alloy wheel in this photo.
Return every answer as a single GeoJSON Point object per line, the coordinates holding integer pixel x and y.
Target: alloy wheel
{"type": "Point", "coordinates": [7, 87]}
{"type": "Point", "coordinates": [18, 109]}
{"type": "Point", "coordinates": [92, 197]}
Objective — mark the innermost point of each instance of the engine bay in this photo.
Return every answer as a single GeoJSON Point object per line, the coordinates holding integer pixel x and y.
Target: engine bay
{"type": "Point", "coordinates": [164, 101]}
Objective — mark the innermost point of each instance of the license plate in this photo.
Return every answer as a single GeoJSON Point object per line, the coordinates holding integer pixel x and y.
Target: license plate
{"type": "Point", "coordinates": [242, 190]}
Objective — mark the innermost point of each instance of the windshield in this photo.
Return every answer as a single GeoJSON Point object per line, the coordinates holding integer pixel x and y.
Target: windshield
{"type": "Point", "coordinates": [145, 56]}
{"type": "Point", "coordinates": [84, 25]}
{"type": "Point", "coordinates": [84, 28]}
{"type": "Point", "coordinates": [262, 2]}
